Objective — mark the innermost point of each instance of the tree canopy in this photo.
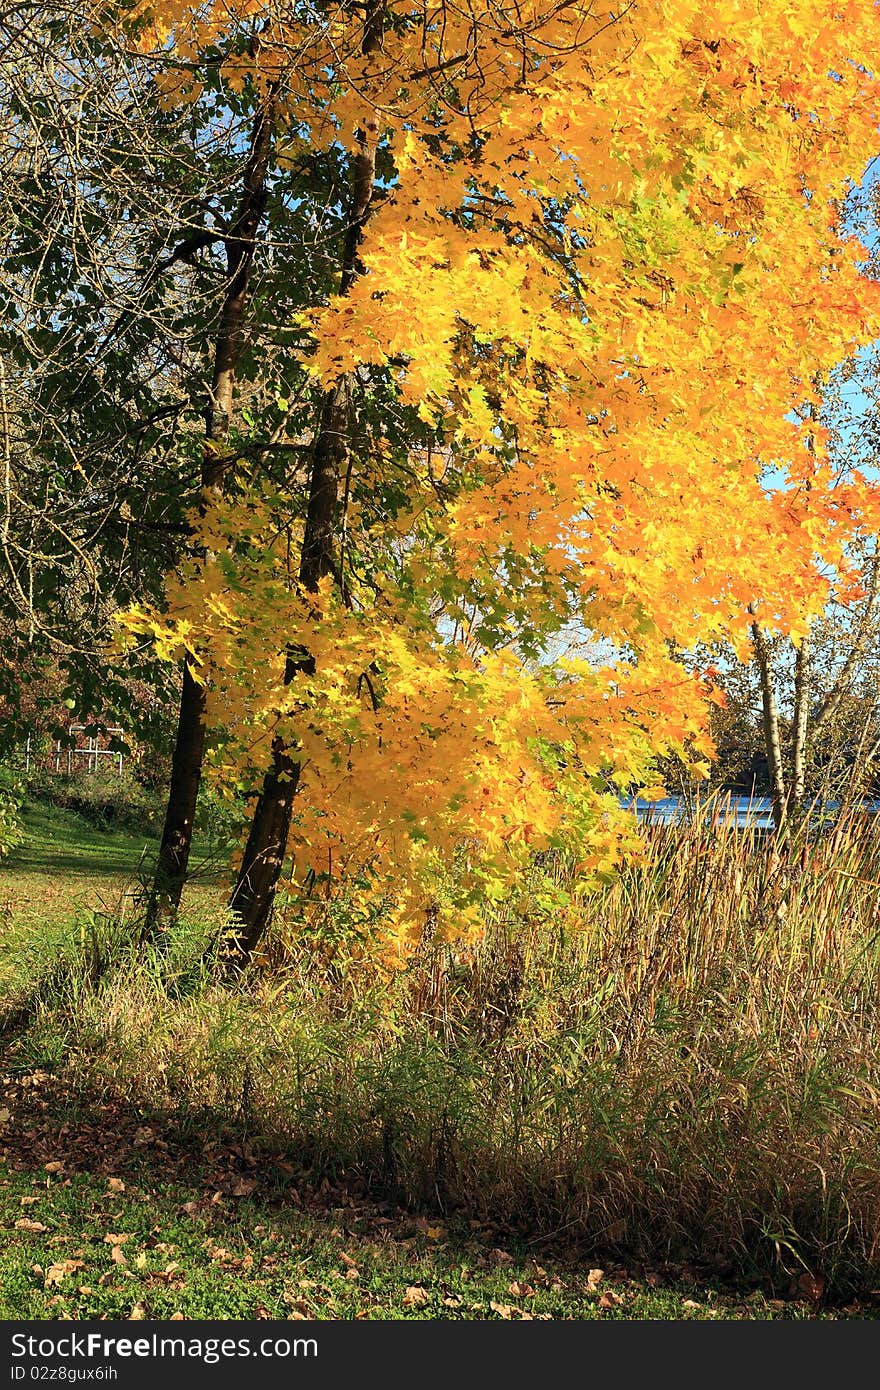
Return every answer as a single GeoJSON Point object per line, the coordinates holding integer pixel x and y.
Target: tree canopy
{"type": "Point", "coordinates": [550, 287]}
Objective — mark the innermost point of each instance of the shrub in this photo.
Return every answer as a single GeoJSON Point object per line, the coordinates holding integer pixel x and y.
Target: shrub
{"type": "Point", "coordinates": [104, 798]}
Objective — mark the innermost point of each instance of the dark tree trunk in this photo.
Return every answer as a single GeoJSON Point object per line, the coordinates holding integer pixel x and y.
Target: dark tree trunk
{"type": "Point", "coordinates": [186, 769]}
{"type": "Point", "coordinates": [186, 763]}
{"type": "Point", "coordinates": [254, 893]}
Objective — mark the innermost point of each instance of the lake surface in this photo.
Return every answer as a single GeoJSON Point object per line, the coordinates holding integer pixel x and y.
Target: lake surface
{"type": "Point", "coordinates": [724, 808]}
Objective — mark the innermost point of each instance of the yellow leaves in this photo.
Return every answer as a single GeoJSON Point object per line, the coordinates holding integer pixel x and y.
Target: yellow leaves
{"type": "Point", "coordinates": [169, 637]}
{"type": "Point", "coordinates": [479, 423]}
{"type": "Point", "coordinates": [604, 320]}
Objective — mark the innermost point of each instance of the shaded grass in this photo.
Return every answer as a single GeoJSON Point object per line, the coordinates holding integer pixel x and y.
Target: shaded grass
{"type": "Point", "coordinates": [62, 845]}
{"type": "Point", "coordinates": [105, 1213]}
{"type": "Point", "coordinates": [65, 866]}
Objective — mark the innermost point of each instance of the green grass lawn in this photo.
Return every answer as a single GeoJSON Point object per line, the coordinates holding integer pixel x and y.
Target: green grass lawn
{"type": "Point", "coordinates": [67, 878]}
{"type": "Point", "coordinates": [66, 867]}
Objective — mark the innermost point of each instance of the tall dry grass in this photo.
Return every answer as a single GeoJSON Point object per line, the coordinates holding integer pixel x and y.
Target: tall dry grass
{"type": "Point", "coordinates": [694, 1074]}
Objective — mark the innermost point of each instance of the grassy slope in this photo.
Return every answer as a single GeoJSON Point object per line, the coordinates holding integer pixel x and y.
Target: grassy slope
{"type": "Point", "coordinates": [64, 874]}
{"type": "Point", "coordinates": [65, 866]}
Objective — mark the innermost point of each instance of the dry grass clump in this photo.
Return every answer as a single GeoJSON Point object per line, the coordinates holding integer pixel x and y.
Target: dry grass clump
{"type": "Point", "coordinates": [693, 1074]}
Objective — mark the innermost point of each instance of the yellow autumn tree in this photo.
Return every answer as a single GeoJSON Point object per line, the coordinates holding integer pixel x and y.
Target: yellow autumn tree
{"type": "Point", "coordinates": [601, 267]}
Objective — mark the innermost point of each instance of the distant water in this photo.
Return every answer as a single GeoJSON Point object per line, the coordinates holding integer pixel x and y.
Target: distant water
{"type": "Point", "coordinates": [724, 808]}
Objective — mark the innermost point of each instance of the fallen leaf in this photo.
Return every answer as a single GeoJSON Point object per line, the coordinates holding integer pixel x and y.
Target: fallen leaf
{"type": "Point", "coordinates": [36, 1227]}
{"type": "Point", "coordinates": [137, 1313]}
{"type": "Point", "coordinates": [243, 1187]}
{"type": "Point", "coordinates": [116, 1184]}
{"type": "Point", "coordinates": [298, 1308]}
{"type": "Point", "coordinates": [689, 1303]}
{"type": "Point", "coordinates": [5, 1115]}
{"type": "Point", "coordinates": [504, 1310]}
{"type": "Point", "coordinates": [111, 1239]}
{"type": "Point", "coordinates": [117, 1256]}
{"type": "Point", "coordinates": [594, 1278]}
{"type": "Point", "coordinates": [143, 1135]}
{"type": "Point", "coordinates": [500, 1257]}
{"type": "Point", "coordinates": [416, 1297]}
{"type": "Point", "coordinates": [54, 1166]}
{"type": "Point", "coordinates": [520, 1290]}
{"type": "Point", "coordinates": [55, 1273]}
{"type": "Point", "coordinates": [610, 1300]}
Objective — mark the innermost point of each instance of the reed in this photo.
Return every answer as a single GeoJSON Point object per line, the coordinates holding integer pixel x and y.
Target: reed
{"type": "Point", "coordinates": [691, 1073]}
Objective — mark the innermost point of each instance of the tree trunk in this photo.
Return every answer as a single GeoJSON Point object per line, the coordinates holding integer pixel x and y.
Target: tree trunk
{"type": "Point", "coordinates": [802, 677]}
{"type": "Point", "coordinates": [186, 763]}
{"type": "Point", "coordinates": [254, 893]}
{"type": "Point", "coordinates": [772, 741]}
{"type": "Point", "coordinates": [802, 674]}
